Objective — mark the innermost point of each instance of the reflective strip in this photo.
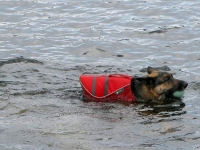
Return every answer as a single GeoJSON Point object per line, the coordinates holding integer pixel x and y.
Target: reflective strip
{"type": "Point", "coordinates": [94, 86]}
{"type": "Point", "coordinates": [106, 87]}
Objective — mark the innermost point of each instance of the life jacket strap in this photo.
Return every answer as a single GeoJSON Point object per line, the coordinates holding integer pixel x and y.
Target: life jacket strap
{"type": "Point", "coordinates": [94, 81]}
{"type": "Point", "coordinates": [106, 86]}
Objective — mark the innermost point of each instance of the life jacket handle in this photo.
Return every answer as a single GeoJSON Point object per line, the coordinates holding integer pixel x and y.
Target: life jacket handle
{"type": "Point", "coordinates": [119, 75]}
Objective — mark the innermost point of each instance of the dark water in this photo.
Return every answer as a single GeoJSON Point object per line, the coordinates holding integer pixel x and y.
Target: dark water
{"type": "Point", "coordinates": [40, 101]}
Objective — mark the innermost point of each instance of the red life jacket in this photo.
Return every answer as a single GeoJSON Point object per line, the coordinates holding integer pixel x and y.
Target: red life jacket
{"type": "Point", "coordinates": [107, 87]}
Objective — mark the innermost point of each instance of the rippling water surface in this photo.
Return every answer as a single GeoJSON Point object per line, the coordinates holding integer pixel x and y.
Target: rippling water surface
{"type": "Point", "coordinates": [40, 102]}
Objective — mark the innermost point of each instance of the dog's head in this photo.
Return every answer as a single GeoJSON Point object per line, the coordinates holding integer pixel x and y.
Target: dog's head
{"type": "Point", "coordinates": [158, 85]}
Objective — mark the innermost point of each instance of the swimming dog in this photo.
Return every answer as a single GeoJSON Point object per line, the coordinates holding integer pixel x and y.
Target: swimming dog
{"type": "Point", "coordinates": [156, 86]}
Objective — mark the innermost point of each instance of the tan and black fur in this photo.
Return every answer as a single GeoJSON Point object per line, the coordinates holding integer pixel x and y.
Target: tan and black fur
{"type": "Point", "coordinates": [156, 86]}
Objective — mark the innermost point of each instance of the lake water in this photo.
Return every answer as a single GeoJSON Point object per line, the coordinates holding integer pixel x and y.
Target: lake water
{"type": "Point", "coordinates": [40, 102]}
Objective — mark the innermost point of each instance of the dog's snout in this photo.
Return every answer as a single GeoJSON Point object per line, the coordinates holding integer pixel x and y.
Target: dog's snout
{"type": "Point", "coordinates": [182, 85]}
{"type": "Point", "coordinates": [185, 85]}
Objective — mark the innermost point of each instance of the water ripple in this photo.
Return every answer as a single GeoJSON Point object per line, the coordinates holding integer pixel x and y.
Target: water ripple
{"type": "Point", "coordinates": [39, 97]}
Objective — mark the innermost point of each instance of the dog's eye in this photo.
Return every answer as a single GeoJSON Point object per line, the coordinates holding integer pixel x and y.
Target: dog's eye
{"type": "Point", "coordinates": [169, 78]}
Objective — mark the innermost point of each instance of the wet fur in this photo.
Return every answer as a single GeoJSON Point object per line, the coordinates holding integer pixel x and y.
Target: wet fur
{"type": "Point", "coordinates": [156, 86]}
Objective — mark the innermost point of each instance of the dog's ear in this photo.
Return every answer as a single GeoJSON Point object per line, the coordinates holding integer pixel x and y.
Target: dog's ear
{"type": "Point", "coordinates": [150, 70]}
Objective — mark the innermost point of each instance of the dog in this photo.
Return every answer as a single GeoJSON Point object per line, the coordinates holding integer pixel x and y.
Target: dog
{"type": "Point", "coordinates": [157, 86]}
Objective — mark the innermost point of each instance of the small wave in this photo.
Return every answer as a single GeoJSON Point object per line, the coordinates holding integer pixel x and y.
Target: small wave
{"type": "Point", "coordinates": [18, 60]}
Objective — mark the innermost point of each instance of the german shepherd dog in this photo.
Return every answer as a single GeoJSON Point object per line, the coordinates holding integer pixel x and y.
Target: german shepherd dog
{"type": "Point", "coordinates": [157, 86]}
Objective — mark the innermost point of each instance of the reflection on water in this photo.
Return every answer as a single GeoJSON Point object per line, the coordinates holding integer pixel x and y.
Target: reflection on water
{"type": "Point", "coordinates": [163, 110]}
